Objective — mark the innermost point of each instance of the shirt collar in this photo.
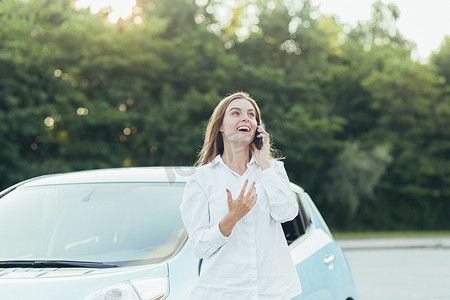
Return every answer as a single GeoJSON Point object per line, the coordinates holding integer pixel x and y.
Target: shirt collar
{"type": "Point", "coordinates": [218, 159]}
{"type": "Point", "coordinates": [252, 160]}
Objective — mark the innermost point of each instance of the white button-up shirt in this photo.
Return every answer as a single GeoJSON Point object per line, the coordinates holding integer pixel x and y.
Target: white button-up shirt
{"type": "Point", "coordinates": [253, 262]}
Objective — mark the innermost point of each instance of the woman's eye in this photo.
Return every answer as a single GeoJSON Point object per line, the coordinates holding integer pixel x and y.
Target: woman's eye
{"type": "Point", "coordinates": [235, 113]}
{"type": "Point", "coordinates": [251, 115]}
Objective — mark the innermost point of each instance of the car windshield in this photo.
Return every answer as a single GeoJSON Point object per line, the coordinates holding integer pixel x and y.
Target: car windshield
{"type": "Point", "coordinates": [122, 223]}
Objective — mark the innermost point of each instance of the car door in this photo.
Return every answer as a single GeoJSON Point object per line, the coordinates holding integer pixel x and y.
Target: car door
{"type": "Point", "coordinates": [314, 253]}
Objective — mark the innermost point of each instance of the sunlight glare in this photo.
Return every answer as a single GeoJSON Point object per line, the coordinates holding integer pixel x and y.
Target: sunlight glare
{"type": "Point", "coordinates": [81, 4]}
{"type": "Point", "coordinates": [120, 9]}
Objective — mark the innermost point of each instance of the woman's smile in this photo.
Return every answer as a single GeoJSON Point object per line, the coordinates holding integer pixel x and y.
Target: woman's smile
{"type": "Point", "coordinates": [244, 129]}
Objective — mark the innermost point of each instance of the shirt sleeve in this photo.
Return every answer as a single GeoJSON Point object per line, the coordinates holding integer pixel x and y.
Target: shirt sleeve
{"type": "Point", "coordinates": [205, 238]}
{"type": "Point", "coordinates": [282, 203]}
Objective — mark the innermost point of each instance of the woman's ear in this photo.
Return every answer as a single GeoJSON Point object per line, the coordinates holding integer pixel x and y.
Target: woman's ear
{"type": "Point", "coordinates": [221, 128]}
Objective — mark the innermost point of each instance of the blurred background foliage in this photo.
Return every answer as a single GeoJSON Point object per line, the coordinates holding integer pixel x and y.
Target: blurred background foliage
{"type": "Point", "coordinates": [364, 128]}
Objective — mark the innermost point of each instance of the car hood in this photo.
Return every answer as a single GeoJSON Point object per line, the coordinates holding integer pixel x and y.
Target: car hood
{"type": "Point", "coordinates": [69, 283]}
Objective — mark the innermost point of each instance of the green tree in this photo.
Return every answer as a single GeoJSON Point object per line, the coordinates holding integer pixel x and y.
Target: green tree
{"type": "Point", "coordinates": [363, 127]}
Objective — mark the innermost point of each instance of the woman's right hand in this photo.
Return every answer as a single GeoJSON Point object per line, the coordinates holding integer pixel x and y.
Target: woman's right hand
{"type": "Point", "coordinates": [238, 208]}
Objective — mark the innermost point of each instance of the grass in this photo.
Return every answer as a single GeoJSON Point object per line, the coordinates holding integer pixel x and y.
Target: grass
{"type": "Point", "coordinates": [389, 234]}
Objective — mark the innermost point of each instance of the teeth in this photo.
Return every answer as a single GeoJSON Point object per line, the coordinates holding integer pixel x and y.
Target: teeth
{"type": "Point", "coordinates": [244, 128]}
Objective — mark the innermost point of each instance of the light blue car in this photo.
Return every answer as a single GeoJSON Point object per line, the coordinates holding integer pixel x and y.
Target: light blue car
{"type": "Point", "coordinates": [117, 234]}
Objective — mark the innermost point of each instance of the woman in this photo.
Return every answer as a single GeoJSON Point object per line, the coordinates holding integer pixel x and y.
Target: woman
{"type": "Point", "coordinates": [233, 206]}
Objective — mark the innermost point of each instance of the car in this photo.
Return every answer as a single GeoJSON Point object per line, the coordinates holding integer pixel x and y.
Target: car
{"type": "Point", "coordinates": [118, 234]}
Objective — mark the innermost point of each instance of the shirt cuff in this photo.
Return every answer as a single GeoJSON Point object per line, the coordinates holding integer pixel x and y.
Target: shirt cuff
{"type": "Point", "coordinates": [216, 237]}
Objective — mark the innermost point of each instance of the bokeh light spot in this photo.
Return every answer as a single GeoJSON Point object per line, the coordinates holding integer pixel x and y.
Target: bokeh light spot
{"type": "Point", "coordinates": [127, 162]}
{"type": "Point", "coordinates": [82, 111]}
{"type": "Point", "coordinates": [127, 131]}
{"type": "Point", "coordinates": [138, 20]}
{"type": "Point", "coordinates": [49, 122]}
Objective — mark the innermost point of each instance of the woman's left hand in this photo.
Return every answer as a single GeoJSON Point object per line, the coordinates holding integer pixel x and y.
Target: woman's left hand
{"type": "Point", "coordinates": [262, 156]}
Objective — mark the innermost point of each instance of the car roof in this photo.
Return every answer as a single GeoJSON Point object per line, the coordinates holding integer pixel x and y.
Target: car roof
{"type": "Point", "coordinates": [115, 175]}
{"type": "Point", "coordinates": [168, 174]}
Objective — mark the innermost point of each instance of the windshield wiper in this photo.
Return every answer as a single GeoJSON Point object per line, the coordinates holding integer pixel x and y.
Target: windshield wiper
{"type": "Point", "coordinates": [54, 264]}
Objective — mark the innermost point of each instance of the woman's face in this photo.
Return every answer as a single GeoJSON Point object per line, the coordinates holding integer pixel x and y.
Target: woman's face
{"type": "Point", "coordinates": [239, 123]}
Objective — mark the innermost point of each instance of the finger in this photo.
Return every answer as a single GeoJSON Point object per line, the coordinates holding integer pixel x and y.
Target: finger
{"type": "Point", "coordinates": [244, 187]}
{"type": "Point", "coordinates": [262, 130]}
{"type": "Point", "coordinates": [263, 133]}
{"type": "Point", "coordinates": [229, 196]}
{"type": "Point", "coordinates": [251, 192]}
{"type": "Point", "coordinates": [254, 199]}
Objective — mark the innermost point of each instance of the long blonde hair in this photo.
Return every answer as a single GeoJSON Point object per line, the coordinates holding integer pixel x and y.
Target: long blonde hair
{"type": "Point", "coordinates": [213, 143]}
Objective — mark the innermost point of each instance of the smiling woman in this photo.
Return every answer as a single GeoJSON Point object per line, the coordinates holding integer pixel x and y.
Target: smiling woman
{"type": "Point", "coordinates": [241, 235]}
{"type": "Point", "coordinates": [116, 9]}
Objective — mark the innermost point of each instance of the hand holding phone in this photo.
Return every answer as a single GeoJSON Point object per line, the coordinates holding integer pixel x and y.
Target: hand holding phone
{"type": "Point", "coordinates": [261, 154]}
{"type": "Point", "coordinates": [257, 140]}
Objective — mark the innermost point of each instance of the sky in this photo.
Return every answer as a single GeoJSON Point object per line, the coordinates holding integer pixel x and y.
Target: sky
{"type": "Point", "coordinates": [424, 22]}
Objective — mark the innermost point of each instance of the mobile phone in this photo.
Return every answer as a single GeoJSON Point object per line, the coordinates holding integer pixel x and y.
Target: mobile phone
{"type": "Point", "coordinates": [257, 140]}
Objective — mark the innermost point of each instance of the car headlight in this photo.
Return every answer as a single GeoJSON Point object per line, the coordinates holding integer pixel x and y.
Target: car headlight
{"type": "Point", "coordinates": [145, 289]}
{"type": "Point", "coordinates": [152, 288]}
{"type": "Point", "coordinates": [121, 291]}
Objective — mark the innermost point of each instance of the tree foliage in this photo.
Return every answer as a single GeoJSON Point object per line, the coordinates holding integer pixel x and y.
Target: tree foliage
{"type": "Point", "coordinates": [364, 128]}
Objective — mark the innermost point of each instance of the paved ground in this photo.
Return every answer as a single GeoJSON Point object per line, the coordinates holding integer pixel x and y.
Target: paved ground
{"type": "Point", "coordinates": [395, 243]}
{"type": "Point", "coordinates": [400, 268]}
